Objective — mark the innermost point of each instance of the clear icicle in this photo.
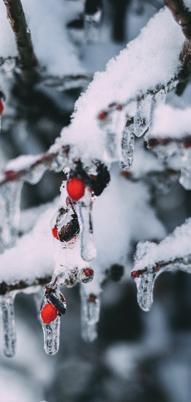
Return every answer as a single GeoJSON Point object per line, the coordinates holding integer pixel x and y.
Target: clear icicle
{"type": "Point", "coordinates": [145, 287]}
{"type": "Point", "coordinates": [127, 146]}
{"type": "Point", "coordinates": [90, 312]}
{"type": "Point", "coordinates": [112, 124]}
{"type": "Point", "coordinates": [92, 20]}
{"type": "Point", "coordinates": [185, 177]}
{"type": "Point", "coordinates": [51, 334]}
{"type": "Point", "coordinates": [88, 249]}
{"type": "Point", "coordinates": [142, 117]}
{"type": "Point", "coordinates": [8, 324]}
{"type": "Point", "coordinates": [10, 196]}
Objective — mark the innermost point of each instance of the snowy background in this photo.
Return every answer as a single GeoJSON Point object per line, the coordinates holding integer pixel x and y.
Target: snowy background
{"type": "Point", "coordinates": [138, 357]}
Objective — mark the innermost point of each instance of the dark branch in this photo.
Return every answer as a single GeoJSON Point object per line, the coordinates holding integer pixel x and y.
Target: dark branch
{"type": "Point", "coordinates": [16, 16]}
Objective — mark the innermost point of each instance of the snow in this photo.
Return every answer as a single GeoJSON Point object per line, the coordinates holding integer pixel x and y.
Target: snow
{"type": "Point", "coordinates": [173, 246]}
{"type": "Point", "coordinates": [114, 224]}
{"type": "Point", "coordinates": [151, 59]}
{"type": "Point", "coordinates": [171, 122]}
{"type": "Point", "coordinates": [47, 23]}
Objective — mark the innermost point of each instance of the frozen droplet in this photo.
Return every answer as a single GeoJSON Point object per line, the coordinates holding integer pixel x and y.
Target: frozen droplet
{"type": "Point", "coordinates": [10, 195]}
{"type": "Point", "coordinates": [142, 119]}
{"type": "Point", "coordinates": [8, 324]}
{"type": "Point", "coordinates": [127, 145]}
{"type": "Point", "coordinates": [90, 312]}
{"type": "Point", "coordinates": [185, 176]}
{"type": "Point", "coordinates": [145, 285]}
{"type": "Point", "coordinates": [88, 249]}
{"type": "Point", "coordinates": [51, 334]}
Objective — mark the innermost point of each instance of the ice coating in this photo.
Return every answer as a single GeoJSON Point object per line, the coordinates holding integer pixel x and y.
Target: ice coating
{"type": "Point", "coordinates": [142, 119]}
{"type": "Point", "coordinates": [8, 324]}
{"type": "Point", "coordinates": [90, 312]}
{"type": "Point", "coordinates": [51, 333]}
{"type": "Point", "coordinates": [88, 248]}
{"type": "Point", "coordinates": [127, 146]}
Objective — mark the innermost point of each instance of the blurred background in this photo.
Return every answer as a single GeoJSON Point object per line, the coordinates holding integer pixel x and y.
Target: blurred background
{"type": "Point", "coordinates": [138, 357]}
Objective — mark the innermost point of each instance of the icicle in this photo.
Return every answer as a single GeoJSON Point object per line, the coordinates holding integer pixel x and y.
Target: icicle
{"type": "Point", "coordinates": [112, 123]}
{"type": "Point", "coordinates": [92, 20]}
{"type": "Point", "coordinates": [185, 177]}
{"type": "Point", "coordinates": [90, 312]}
{"type": "Point", "coordinates": [8, 323]}
{"type": "Point", "coordinates": [127, 145]}
{"type": "Point", "coordinates": [88, 250]}
{"type": "Point", "coordinates": [145, 285]}
{"type": "Point", "coordinates": [10, 195]}
{"type": "Point", "coordinates": [142, 117]}
{"type": "Point", "coordinates": [51, 334]}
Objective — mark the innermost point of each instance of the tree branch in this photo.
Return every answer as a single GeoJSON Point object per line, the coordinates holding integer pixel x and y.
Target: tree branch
{"type": "Point", "coordinates": [181, 14]}
{"type": "Point", "coordinates": [16, 16]}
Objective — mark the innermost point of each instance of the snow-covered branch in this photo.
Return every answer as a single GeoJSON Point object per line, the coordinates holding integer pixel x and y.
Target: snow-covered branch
{"type": "Point", "coordinates": [151, 259]}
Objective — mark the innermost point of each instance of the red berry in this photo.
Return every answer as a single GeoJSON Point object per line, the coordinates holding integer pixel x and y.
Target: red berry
{"type": "Point", "coordinates": [135, 274]}
{"type": "Point", "coordinates": [55, 232]}
{"type": "Point", "coordinates": [102, 115]}
{"type": "Point", "coordinates": [48, 313]}
{"type": "Point", "coordinates": [2, 107]}
{"type": "Point", "coordinates": [88, 272]}
{"type": "Point", "coordinates": [75, 188]}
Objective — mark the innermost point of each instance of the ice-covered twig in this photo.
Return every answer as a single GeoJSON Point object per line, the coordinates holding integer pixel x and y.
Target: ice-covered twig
{"type": "Point", "coordinates": [15, 13]}
{"type": "Point", "coordinates": [151, 259]}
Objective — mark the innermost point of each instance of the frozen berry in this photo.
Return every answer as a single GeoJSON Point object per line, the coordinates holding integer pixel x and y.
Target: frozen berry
{"type": "Point", "coordinates": [102, 115]}
{"type": "Point", "coordinates": [75, 188]}
{"type": "Point", "coordinates": [55, 232]}
{"type": "Point", "coordinates": [86, 275]}
{"type": "Point", "coordinates": [48, 313]}
{"type": "Point", "coordinates": [2, 107]}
